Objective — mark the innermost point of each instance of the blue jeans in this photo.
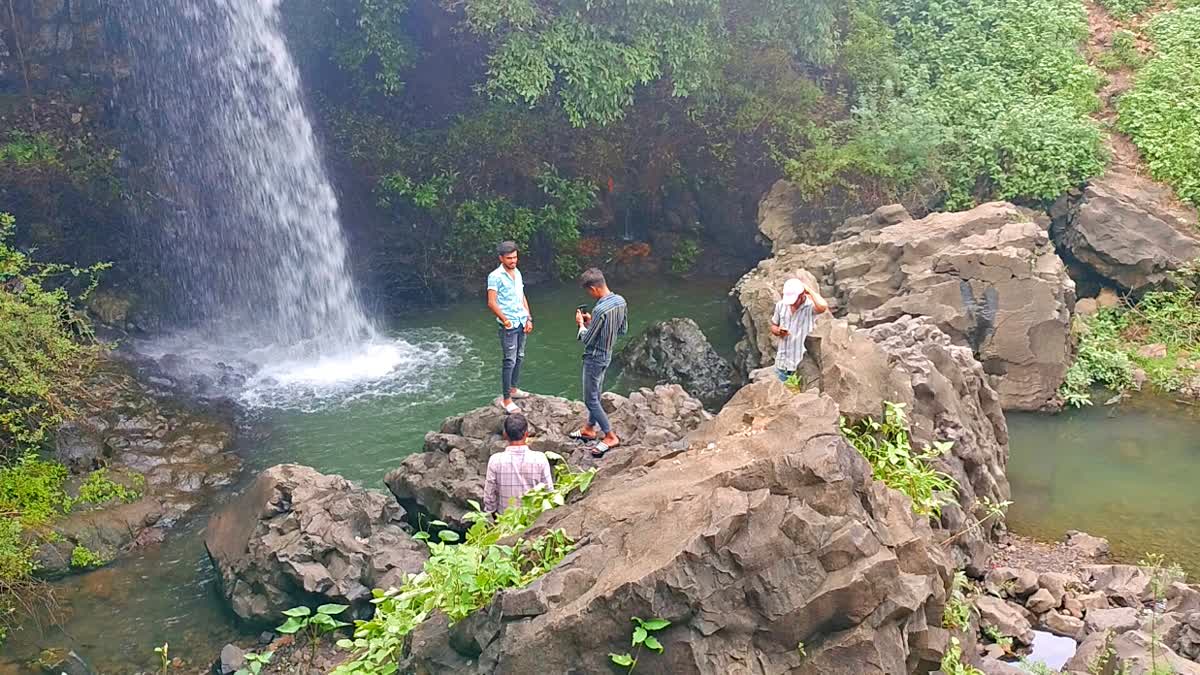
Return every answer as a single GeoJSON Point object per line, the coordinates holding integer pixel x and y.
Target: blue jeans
{"type": "Point", "coordinates": [593, 385]}
{"type": "Point", "coordinates": [783, 374]}
{"type": "Point", "coordinates": [512, 345]}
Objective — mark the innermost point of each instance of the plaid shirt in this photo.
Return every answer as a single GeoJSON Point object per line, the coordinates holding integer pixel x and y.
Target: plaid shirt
{"type": "Point", "coordinates": [512, 473]}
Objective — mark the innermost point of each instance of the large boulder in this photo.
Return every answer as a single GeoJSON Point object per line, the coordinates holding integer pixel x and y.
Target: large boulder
{"type": "Point", "coordinates": [947, 397]}
{"type": "Point", "coordinates": [1129, 230]}
{"type": "Point", "coordinates": [442, 480]}
{"type": "Point", "coordinates": [299, 537]}
{"type": "Point", "coordinates": [989, 278]}
{"type": "Point", "coordinates": [676, 351]}
{"type": "Point", "coordinates": [766, 544]}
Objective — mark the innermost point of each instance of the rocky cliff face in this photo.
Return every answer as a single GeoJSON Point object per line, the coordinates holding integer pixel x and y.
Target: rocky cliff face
{"type": "Point", "coordinates": [676, 351]}
{"type": "Point", "coordinates": [766, 535]}
{"type": "Point", "coordinates": [989, 278]}
{"type": "Point", "coordinates": [52, 41]}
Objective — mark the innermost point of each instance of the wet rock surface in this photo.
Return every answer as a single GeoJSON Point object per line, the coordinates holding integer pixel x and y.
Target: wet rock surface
{"type": "Point", "coordinates": [299, 537]}
{"type": "Point", "coordinates": [989, 278]}
{"type": "Point", "coordinates": [767, 532]}
{"type": "Point", "coordinates": [450, 471]}
{"type": "Point", "coordinates": [176, 458]}
{"type": "Point", "coordinates": [677, 352]}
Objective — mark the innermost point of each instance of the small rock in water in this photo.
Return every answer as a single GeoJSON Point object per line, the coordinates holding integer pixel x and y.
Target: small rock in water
{"type": "Point", "coordinates": [1092, 547]}
{"type": "Point", "coordinates": [232, 659]}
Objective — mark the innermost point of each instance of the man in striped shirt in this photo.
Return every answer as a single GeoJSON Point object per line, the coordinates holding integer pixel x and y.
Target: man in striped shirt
{"type": "Point", "coordinates": [598, 331]}
{"type": "Point", "coordinates": [792, 321]}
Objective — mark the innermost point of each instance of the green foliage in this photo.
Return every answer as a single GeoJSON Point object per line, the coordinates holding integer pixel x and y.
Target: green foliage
{"type": "Point", "coordinates": [99, 488]}
{"type": "Point", "coordinates": [461, 577]}
{"type": "Point", "coordinates": [1123, 53]}
{"type": "Point", "coordinates": [795, 382]}
{"type": "Point", "coordinates": [643, 637]}
{"type": "Point", "coordinates": [989, 99]}
{"type": "Point", "coordinates": [1126, 9]}
{"type": "Point", "coordinates": [474, 226]}
{"type": "Point", "coordinates": [313, 625]}
{"type": "Point", "coordinates": [952, 661]}
{"type": "Point", "coordinates": [1101, 359]}
{"type": "Point", "coordinates": [31, 490]}
{"type": "Point", "coordinates": [886, 446]}
{"type": "Point", "coordinates": [164, 657]}
{"type": "Point", "coordinates": [683, 258]}
{"type": "Point", "coordinates": [1161, 113]}
{"type": "Point", "coordinates": [1162, 575]}
{"type": "Point", "coordinates": [1109, 342]}
{"type": "Point", "coordinates": [993, 633]}
{"type": "Point", "coordinates": [26, 149]}
{"type": "Point", "coordinates": [957, 615]}
{"type": "Point", "coordinates": [255, 663]}
{"type": "Point", "coordinates": [44, 347]}
{"type": "Point", "coordinates": [84, 558]}
{"type": "Point", "coordinates": [595, 56]}
{"type": "Point", "coordinates": [379, 45]}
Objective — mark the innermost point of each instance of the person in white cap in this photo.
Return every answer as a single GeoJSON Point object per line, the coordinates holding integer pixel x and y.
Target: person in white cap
{"type": "Point", "coordinates": [792, 321]}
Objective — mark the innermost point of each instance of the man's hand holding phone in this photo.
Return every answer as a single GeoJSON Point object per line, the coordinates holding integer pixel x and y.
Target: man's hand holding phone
{"type": "Point", "coordinates": [779, 332]}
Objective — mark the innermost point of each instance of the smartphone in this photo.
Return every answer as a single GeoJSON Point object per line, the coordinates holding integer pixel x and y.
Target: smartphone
{"type": "Point", "coordinates": [582, 308]}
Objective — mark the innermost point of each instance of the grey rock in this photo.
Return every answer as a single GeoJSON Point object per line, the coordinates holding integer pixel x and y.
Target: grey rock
{"type": "Point", "coordinates": [1117, 620]}
{"type": "Point", "coordinates": [1181, 597]}
{"type": "Point", "coordinates": [1040, 602]}
{"type": "Point", "coordinates": [1064, 625]}
{"type": "Point", "coordinates": [79, 447]}
{"type": "Point", "coordinates": [1058, 584]}
{"type": "Point", "coordinates": [1133, 655]}
{"type": "Point", "coordinates": [299, 537]}
{"type": "Point", "coordinates": [1011, 582]}
{"type": "Point", "coordinates": [1130, 230]}
{"type": "Point", "coordinates": [676, 352]}
{"type": "Point", "coordinates": [989, 278]}
{"type": "Point", "coordinates": [1007, 617]}
{"type": "Point", "coordinates": [1123, 585]}
{"type": "Point", "coordinates": [441, 480]}
{"type": "Point", "coordinates": [232, 658]}
{"type": "Point", "coordinates": [1086, 544]}
{"type": "Point", "coordinates": [994, 666]}
{"type": "Point", "coordinates": [1092, 656]}
{"type": "Point", "coordinates": [766, 533]}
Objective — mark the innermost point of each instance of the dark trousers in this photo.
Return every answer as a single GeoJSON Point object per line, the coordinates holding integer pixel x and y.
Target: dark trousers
{"type": "Point", "coordinates": [593, 385]}
{"type": "Point", "coordinates": [512, 345]}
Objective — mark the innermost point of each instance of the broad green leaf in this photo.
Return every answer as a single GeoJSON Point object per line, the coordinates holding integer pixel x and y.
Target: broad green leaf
{"type": "Point", "coordinates": [448, 535]}
{"type": "Point", "coordinates": [624, 660]}
{"type": "Point", "coordinates": [655, 624]}
{"type": "Point", "coordinates": [332, 609]}
{"type": "Point", "coordinates": [297, 611]}
{"type": "Point", "coordinates": [291, 626]}
{"type": "Point", "coordinates": [653, 643]}
{"type": "Point", "coordinates": [639, 635]}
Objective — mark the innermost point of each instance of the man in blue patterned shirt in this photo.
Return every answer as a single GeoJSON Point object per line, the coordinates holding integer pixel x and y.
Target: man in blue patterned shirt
{"type": "Point", "coordinates": [506, 299]}
{"type": "Point", "coordinates": [598, 331]}
{"type": "Point", "coordinates": [793, 320]}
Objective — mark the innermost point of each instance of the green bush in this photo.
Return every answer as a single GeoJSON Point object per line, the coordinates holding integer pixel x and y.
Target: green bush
{"type": "Point", "coordinates": [1126, 9]}
{"type": "Point", "coordinates": [461, 577]}
{"type": "Point", "coordinates": [45, 346]}
{"type": "Point", "coordinates": [84, 558]}
{"type": "Point", "coordinates": [991, 99]}
{"type": "Point", "coordinates": [1123, 53]}
{"type": "Point", "coordinates": [886, 447]}
{"type": "Point", "coordinates": [683, 259]}
{"type": "Point", "coordinates": [99, 488]}
{"type": "Point", "coordinates": [1161, 112]}
{"type": "Point", "coordinates": [26, 149]}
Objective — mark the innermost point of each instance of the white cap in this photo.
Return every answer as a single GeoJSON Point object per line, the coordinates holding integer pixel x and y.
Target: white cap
{"type": "Point", "coordinates": [792, 289]}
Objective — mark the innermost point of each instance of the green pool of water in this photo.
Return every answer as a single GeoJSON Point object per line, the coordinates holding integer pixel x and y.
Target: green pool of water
{"type": "Point", "coordinates": [1129, 473]}
{"type": "Point", "coordinates": [117, 615]}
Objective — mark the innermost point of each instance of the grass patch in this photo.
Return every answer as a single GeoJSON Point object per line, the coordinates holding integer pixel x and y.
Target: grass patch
{"type": "Point", "coordinates": [1110, 342]}
{"type": "Point", "coordinates": [1123, 53]}
{"type": "Point", "coordinates": [99, 488]}
{"type": "Point", "coordinates": [885, 444]}
{"type": "Point", "coordinates": [1161, 113]}
{"type": "Point", "coordinates": [1126, 9]}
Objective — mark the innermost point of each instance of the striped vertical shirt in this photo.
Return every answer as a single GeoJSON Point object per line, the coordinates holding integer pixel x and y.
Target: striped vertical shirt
{"type": "Point", "coordinates": [610, 319]}
{"type": "Point", "coordinates": [798, 323]}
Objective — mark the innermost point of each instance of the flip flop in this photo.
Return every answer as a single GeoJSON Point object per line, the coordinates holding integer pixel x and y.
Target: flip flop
{"type": "Point", "coordinates": [578, 435]}
{"type": "Point", "coordinates": [511, 408]}
{"type": "Point", "coordinates": [520, 393]}
{"type": "Point", "coordinates": [601, 449]}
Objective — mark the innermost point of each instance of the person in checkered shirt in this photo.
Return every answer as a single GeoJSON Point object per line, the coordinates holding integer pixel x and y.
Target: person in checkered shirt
{"type": "Point", "coordinates": [516, 470]}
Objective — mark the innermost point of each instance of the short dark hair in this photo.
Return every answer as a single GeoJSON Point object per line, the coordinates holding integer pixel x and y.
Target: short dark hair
{"type": "Point", "coordinates": [506, 247]}
{"type": "Point", "coordinates": [515, 427]}
{"type": "Point", "coordinates": [592, 278]}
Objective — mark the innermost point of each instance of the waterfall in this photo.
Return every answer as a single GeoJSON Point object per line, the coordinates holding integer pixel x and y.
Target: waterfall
{"type": "Point", "coordinates": [252, 237]}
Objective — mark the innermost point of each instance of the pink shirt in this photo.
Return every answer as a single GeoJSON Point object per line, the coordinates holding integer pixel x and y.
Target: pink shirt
{"type": "Point", "coordinates": [512, 473]}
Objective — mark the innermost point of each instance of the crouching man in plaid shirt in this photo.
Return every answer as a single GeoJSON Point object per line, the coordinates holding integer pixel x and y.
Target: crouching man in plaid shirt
{"type": "Point", "coordinates": [517, 470]}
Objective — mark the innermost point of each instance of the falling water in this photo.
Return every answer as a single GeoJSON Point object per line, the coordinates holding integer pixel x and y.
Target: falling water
{"type": "Point", "coordinates": [252, 235]}
{"type": "Point", "coordinates": [248, 221]}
